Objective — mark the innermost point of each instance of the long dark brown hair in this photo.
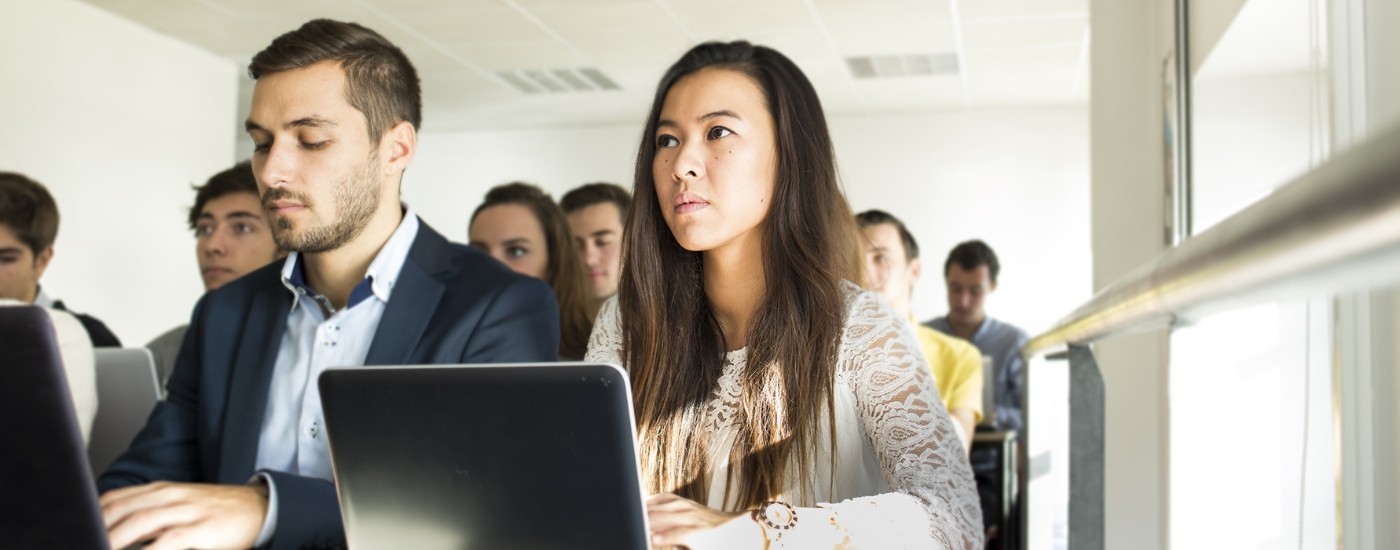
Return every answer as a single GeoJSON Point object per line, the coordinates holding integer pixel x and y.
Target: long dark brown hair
{"type": "Point", "coordinates": [673, 344]}
{"type": "Point", "coordinates": [565, 271]}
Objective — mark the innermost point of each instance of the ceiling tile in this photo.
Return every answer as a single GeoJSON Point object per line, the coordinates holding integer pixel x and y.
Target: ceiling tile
{"type": "Point", "coordinates": [1020, 33]}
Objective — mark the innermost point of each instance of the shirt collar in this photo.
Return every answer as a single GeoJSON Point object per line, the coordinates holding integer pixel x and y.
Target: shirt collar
{"type": "Point", "coordinates": [982, 330]}
{"type": "Point", "coordinates": [381, 274]}
{"type": "Point", "coordinates": [42, 300]}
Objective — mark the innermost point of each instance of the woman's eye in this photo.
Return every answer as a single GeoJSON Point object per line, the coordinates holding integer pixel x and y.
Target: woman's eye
{"type": "Point", "coordinates": [262, 147]}
{"type": "Point", "coordinates": [516, 252]}
{"type": "Point", "coordinates": [718, 132]}
{"type": "Point", "coordinates": [667, 142]}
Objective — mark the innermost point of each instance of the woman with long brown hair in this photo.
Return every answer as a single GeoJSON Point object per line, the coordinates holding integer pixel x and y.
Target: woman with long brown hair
{"type": "Point", "coordinates": [766, 384]}
{"type": "Point", "coordinates": [520, 225]}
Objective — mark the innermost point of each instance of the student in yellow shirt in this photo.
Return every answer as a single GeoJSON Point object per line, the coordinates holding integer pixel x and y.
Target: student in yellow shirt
{"type": "Point", "coordinates": [892, 266]}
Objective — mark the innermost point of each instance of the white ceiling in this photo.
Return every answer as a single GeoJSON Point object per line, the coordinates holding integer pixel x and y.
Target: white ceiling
{"type": "Point", "coordinates": [1010, 52]}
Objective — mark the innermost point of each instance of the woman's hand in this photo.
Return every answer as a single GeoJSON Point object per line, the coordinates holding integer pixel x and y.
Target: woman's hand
{"type": "Point", "coordinates": [676, 521]}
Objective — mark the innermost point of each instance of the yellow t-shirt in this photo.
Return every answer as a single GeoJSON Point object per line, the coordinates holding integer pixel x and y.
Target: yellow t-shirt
{"type": "Point", "coordinates": [957, 369]}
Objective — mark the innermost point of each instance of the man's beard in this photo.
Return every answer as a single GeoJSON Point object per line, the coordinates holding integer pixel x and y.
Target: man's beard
{"type": "Point", "coordinates": [355, 204]}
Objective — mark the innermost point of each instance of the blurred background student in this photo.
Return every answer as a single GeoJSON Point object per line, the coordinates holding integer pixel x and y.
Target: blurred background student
{"type": "Point", "coordinates": [892, 266]}
{"type": "Point", "coordinates": [520, 225]}
{"type": "Point", "coordinates": [231, 238]}
{"type": "Point", "coordinates": [597, 214]}
{"type": "Point", "coordinates": [28, 228]}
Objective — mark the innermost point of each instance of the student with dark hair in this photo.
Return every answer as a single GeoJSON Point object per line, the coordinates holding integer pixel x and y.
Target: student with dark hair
{"type": "Point", "coordinates": [236, 455]}
{"type": "Point", "coordinates": [971, 274]}
{"type": "Point", "coordinates": [520, 225]}
{"type": "Point", "coordinates": [892, 265]}
{"type": "Point", "coordinates": [28, 228]}
{"type": "Point", "coordinates": [232, 238]}
{"type": "Point", "coordinates": [777, 403]}
{"type": "Point", "coordinates": [597, 213]}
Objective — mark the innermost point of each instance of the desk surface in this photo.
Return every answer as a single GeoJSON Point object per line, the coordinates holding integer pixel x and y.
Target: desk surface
{"type": "Point", "coordinates": [994, 437]}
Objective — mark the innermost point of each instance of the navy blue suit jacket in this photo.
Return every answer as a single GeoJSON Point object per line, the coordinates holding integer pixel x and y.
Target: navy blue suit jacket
{"type": "Point", "coordinates": [452, 304]}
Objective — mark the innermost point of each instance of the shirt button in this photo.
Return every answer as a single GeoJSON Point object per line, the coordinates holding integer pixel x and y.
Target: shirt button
{"type": "Point", "coordinates": [314, 430]}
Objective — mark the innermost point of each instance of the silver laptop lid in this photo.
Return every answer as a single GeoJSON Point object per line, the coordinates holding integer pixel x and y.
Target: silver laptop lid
{"type": "Point", "coordinates": [127, 390]}
{"type": "Point", "coordinates": [485, 456]}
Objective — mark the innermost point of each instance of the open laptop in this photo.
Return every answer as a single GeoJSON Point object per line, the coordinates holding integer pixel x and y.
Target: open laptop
{"type": "Point", "coordinates": [485, 456]}
{"type": "Point", "coordinates": [989, 394]}
{"type": "Point", "coordinates": [47, 495]}
{"type": "Point", "coordinates": [127, 390]}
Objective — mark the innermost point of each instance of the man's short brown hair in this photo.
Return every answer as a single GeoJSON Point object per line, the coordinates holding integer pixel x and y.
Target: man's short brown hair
{"type": "Point", "coordinates": [874, 217]}
{"type": "Point", "coordinates": [596, 193]}
{"type": "Point", "coordinates": [379, 80]}
{"type": "Point", "coordinates": [972, 254]}
{"type": "Point", "coordinates": [238, 179]}
{"type": "Point", "coordinates": [28, 210]}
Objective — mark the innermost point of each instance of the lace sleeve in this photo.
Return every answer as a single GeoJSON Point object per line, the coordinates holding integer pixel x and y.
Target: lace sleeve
{"type": "Point", "coordinates": [605, 344]}
{"type": "Point", "coordinates": [920, 455]}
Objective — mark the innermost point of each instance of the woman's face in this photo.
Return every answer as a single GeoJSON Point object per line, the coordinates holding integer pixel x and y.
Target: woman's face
{"type": "Point", "coordinates": [510, 233]}
{"type": "Point", "coordinates": [715, 161]}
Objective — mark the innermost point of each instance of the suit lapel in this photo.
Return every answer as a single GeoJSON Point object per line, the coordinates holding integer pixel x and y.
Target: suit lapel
{"type": "Point", "coordinates": [414, 300]}
{"type": "Point", "coordinates": [250, 380]}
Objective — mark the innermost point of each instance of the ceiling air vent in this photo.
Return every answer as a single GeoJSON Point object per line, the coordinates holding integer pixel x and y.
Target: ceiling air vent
{"type": "Point", "coordinates": [558, 81]}
{"type": "Point", "coordinates": [897, 66]}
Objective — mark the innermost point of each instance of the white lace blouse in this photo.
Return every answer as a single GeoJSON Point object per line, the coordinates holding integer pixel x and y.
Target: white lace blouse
{"type": "Point", "coordinates": [902, 479]}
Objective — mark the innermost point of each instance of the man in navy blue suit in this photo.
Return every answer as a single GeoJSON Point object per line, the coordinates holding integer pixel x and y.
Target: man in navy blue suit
{"type": "Point", "coordinates": [236, 455]}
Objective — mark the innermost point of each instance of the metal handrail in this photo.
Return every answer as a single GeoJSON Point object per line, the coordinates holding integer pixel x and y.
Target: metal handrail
{"type": "Point", "coordinates": [1335, 229]}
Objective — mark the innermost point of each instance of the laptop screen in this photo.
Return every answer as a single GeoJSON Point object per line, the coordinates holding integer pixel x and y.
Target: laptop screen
{"type": "Point", "coordinates": [488, 456]}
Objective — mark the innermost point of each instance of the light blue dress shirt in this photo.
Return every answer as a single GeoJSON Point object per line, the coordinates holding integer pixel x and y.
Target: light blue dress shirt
{"type": "Point", "coordinates": [293, 436]}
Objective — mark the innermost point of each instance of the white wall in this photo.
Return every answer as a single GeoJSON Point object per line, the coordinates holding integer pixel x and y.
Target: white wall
{"type": "Point", "coordinates": [117, 121]}
{"type": "Point", "coordinates": [1128, 43]}
{"type": "Point", "coordinates": [1017, 178]}
{"type": "Point", "coordinates": [453, 171]}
